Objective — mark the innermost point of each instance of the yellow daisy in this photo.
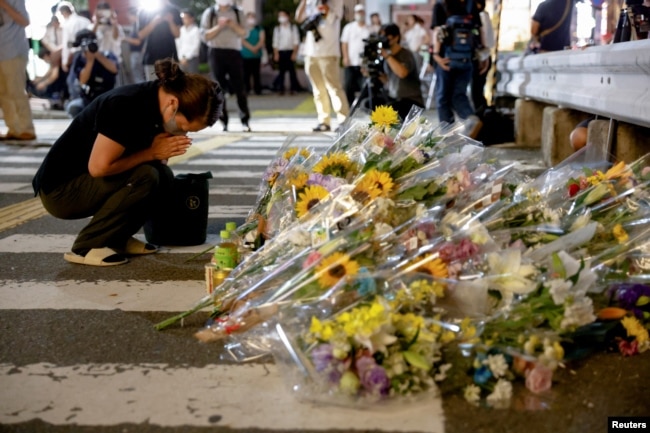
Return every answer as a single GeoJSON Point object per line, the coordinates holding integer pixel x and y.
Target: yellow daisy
{"type": "Point", "coordinates": [335, 267]}
{"type": "Point", "coordinates": [335, 164]}
{"type": "Point", "coordinates": [379, 180]}
{"type": "Point", "coordinates": [635, 329]}
{"type": "Point", "coordinates": [435, 268]}
{"type": "Point", "coordinates": [310, 198]}
{"type": "Point", "coordinates": [384, 116]}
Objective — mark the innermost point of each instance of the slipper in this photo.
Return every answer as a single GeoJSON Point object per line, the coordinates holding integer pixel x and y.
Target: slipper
{"type": "Point", "coordinates": [97, 257]}
{"type": "Point", "coordinates": [134, 247]}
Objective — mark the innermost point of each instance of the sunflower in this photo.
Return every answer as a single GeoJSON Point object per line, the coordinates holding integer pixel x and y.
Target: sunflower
{"type": "Point", "coordinates": [335, 164]}
{"type": "Point", "coordinates": [435, 268]}
{"type": "Point", "coordinates": [384, 116]}
{"type": "Point", "coordinates": [299, 180]}
{"type": "Point", "coordinates": [310, 198]}
{"type": "Point", "coordinates": [377, 181]}
{"type": "Point", "coordinates": [335, 267]}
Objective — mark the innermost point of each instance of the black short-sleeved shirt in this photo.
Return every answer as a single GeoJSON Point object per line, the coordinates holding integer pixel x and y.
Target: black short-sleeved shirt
{"type": "Point", "coordinates": [130, 115]}
{"type": "Point", "coordinates": [548, 14]}
{"type": "Point", "coordinates": [409, 86]}
{"type": "Point", "coordinates": [160, 43]}
{"type": "Point", "coordinates": [456, 7]}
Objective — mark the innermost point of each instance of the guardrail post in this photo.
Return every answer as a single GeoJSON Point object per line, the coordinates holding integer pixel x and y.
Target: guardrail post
{"type": "Point", "coordinates": [632, 142]}
{"type": "Point", "coordinates": [528, 122]}
{"type": "Point", "coordinates": [557, 125]}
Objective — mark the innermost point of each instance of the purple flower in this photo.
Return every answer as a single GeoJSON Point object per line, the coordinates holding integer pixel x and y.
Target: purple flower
{"type": "Point", "coordinates": [328, 182]}
{"type": "Point", "coordinates": [324, 362]}
{"type": "Point", "coordinates": [628, 294]}
{"type": "Point", "coordinates": [373, 377]}
{"type": "Point", "coordinates": [274, 168]}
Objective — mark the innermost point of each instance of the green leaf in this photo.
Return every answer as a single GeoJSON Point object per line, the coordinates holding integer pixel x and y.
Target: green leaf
{"type": "Point", "coordinates": [558, 266]}
{"type": "Point", "coordinates": [416, 360]}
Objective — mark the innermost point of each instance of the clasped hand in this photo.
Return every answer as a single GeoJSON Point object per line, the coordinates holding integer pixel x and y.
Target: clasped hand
{"type": "Point", "coordinates": [165, 145]}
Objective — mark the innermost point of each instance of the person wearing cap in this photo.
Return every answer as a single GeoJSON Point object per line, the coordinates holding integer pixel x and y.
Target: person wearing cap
{"type": "Point", "coordinates": [352, 46]}
{"type": "Point", "coordinates": [14, 52]}
{"type": "Point", "coordinates": [95, 70]}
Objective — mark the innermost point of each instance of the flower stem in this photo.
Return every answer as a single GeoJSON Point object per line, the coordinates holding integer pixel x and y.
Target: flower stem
{"type": "Point", "coordinates": [206, 301]}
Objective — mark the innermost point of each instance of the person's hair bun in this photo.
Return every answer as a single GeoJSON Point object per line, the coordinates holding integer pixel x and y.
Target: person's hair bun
{"type": "Point", "coordinates": [169, 73]}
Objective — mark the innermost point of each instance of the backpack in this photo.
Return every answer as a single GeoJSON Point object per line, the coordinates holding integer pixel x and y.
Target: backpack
{"type": "Point", "coordinates": [214, 14]}
{"type": "Point", "coordinates": [460, 42]}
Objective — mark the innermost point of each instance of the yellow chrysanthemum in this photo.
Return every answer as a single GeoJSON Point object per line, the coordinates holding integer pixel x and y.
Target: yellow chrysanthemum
{"type": "Point", "coordinates": [635, 329]}
{"type": "Point", "coordinates": [299, 180]}
{"type": "Point", "coordinates": [377, 180]}
{"type": "Point", "coordinates": [335, 164]}
{"type": "Point", "coordinates": [365, 320]}
{"type": "Point", "coordinates": [310, 198]}
{"type": "Point", "coordinates": [435, 268]}
{"type": "Point", "coordinates": [322, 330]}
{"type": "Point", "coordinates": [384, 116]}
{"type": "Point", "coordinates": [335, 267]}
{"type": "Point", "coordinates": [620, 234]}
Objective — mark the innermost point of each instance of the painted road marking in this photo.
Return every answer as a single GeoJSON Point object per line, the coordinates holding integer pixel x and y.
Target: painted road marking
{"type": "Point", "coordinates": [128, 295]}
{"type": "Point", "coordinates": [222, 189]}
{"type": "Point", "coordinates": [213, 395]}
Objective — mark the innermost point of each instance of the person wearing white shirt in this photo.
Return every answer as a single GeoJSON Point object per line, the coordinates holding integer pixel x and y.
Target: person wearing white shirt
{"type": "Point", "coordinates": [322, 57]}
{"type": "Point", "coordinates": [109, 35]}
{"type": "Point", "coordinates": [352, 46]}
{"type": "Point", "coordinates": [71, 24]}
{"type": "Point", "coordinates": [286, 41]}
{"type": "Point", "coordinates": [189, 43]}
{"type": "Point", "coordinates": [416, 36]}
{"type": "Point", "coordinates": [53, 39]}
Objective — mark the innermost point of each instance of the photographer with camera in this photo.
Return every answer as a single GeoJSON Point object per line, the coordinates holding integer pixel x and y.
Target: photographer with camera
{"type": "Point", "coordinates": [456, 25]}
{"type": "Point", "coordinates": [109, 33]}
{"type": "Point", "coordinates": [321, 20]}
{"type": "Point", "coordinates": [352, 46]}
{"type": "Point", "coordinates": [400, 77]}
{"type": "Point", "coordinates": [96, 71]}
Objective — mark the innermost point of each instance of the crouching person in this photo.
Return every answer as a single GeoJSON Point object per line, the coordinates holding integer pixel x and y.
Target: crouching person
{"type": "Point", "coordinates": [110, 163]}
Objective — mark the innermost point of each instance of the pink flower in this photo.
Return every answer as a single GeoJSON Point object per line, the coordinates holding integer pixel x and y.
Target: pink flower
{"type": "Point", "coordinates": [312, 258]}
{"type": "Point", "coordinates": [628, 348]}
{"type": "Point", "coordinates": [539, 379]}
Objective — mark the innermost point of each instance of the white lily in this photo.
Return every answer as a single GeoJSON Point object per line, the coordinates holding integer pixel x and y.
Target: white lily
{"type": "Point", "coordinates": [509, 275]}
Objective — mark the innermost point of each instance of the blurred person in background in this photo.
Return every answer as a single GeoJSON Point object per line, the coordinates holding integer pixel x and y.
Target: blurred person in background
{"type": "Point", "coordinates": [482, 61]}
{"type": "Point", "coordinates": [322, 58]}
{"type": "Point", "coordinates": [352, 47]}
{"type": "Point", "coordinates": [286, 41]}
{"type": "Point", "coordinates": [158, 29]}
{"type": "Point", "coordinates": [222, 29]}
{"type": "Point", "coordinates": [96, 71]}
{"type": "Point", "coordinates": [550, 27]}
{"type": "Point", "coordinates": [252, 52]}
{"type": "Point", "coordinates": [71, 23]}
{"type": "Point", "coordinates": [375, 23]}
{"type": "Point", "coordinates": [53, 39]}
{"type": "Point", "coordinates": [51, 85]}
{"type": "Point", "coordinates": [134, 48]}
{"type": "Point", "coordinates": [188, 43]}
{"type": "Point", "coordinates": [109, 35]}
{"type": "Point", "coordinates": [416, 36]}
{"type": "Point", "coordinates": [14, 51]}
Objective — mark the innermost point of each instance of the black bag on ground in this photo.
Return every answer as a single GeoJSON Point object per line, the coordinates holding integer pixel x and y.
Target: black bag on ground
{"type": "Point", "coordinates": [498, 127]}
{"type": "Point", "coordinates": [182, 220]}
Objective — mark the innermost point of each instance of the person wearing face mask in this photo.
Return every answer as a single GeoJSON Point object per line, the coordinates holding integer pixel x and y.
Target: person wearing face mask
{"type": "Point", "coordinates": [401, 77]}
{"type": "Point", "coordinates": [252, 51]}
{"type": "Point", "coordinates": [322, 58]}
{"type": "Point", "coordinates": [286, 41]}
{"type": "Point", "coordinates": [188, 43]}
{"type": "Point", "coordinates": [222, 29]}
{"type": "Point", "coordinates": [352, 44]}
{"type": "Point", "coordinates": [111, 162]}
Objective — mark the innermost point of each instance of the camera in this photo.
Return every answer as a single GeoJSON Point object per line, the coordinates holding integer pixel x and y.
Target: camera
{"type": "Point", "coordinates": [371, 56]}
{"type": "Point", "coordinates": [89, 45]}
{"type": "Point", "coordinates": [311, 25]}
{"type": "Point", "coordinates": [633, 23]}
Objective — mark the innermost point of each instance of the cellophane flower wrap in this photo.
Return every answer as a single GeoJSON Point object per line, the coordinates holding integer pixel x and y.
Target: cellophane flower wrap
{"type": "Point", "coordinates": [407, 252]}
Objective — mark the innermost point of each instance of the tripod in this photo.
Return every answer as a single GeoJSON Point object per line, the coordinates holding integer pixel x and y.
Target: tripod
{"type": "Point", "coordinates": [372, 93]}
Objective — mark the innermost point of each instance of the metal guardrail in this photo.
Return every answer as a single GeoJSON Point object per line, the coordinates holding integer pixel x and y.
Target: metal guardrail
{"type": "Point", "coordinates": [612, 81]}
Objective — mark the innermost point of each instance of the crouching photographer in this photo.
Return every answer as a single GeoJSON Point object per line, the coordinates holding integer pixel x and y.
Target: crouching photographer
{"type": "Point", "coordinates": [398, 73]}
{"type": "Point", "coordinates": [94, 71]}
